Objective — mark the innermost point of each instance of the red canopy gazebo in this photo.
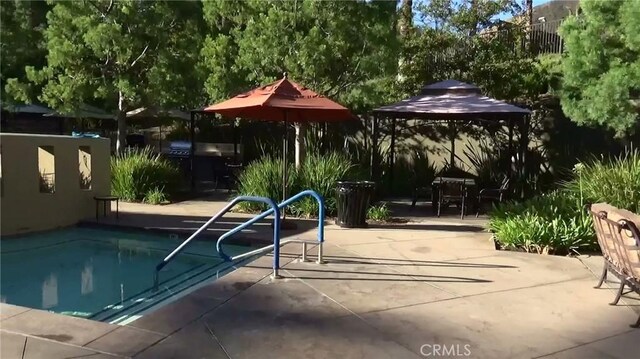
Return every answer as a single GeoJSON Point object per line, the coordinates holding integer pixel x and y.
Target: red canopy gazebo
{"type": "Point", "coordinates": [282, 101]}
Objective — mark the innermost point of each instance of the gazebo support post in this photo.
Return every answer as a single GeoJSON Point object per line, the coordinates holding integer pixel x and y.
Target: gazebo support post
{"type": "Point", "coordinates": [392, 151]}
{"type": "Point", "coordinates": [374, 148]}
{"type": "Point", "coordinates": [235, 141]}
{"type": "Point", "coordinates": [510, 170]}
{"type": "Point", "coordinates": [192, 167]}
{"type": "Point", "coordinates": [366, 132]}
{"type": "Point", "coordinates": [452, 158]}
{"type": "Point", "coordinates": [285, 144]}
{"type": "Point", "coordinates": [524, 143]}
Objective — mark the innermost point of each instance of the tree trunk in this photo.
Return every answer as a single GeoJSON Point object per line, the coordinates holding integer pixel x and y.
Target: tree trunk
{"type": "Point", "coordinates": [529, 20]}
{"type": "Point", "coordinates": [122, 124]}
{"type": "Point", "coordinates": [301, 129]}
{"type": "Point", "coordinates": [406, 17]}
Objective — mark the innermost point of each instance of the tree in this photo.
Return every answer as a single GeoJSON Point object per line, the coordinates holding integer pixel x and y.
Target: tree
{"type": "Point", "coordinates": [601, 65]}
{"type": "Point", "coordinates": [22, 24]}
{"type": "Point", "coordinates": [125, 54]}
{"type": "Point", "coordinates": [340, 49]}
{"type": "Point", "coordinates": [332, 47]}
{"type": "Point", "coordinates": [465, 40]}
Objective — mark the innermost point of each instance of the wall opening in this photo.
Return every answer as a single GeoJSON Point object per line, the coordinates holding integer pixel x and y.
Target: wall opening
{"type": "Point", "coordinates": [84, 167]}
{"type": "Point", "coordinates": [47, 169]}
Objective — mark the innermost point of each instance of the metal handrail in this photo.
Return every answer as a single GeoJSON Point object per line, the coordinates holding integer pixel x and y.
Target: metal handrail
{"type": "Point", "coordinates": [276, 228]}
{"type": "Point", "coordinates": [276, 245]}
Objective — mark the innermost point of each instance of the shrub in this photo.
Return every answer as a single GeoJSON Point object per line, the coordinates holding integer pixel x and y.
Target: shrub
{"type": "Point", "coordinates": [155, 196]}
{"type": "Point", "coordinates": [553, 223]}
{"type": "Point", "coordinates": [380, 213]}
{"type": "Point", "coordinates": [557, 223]}
{"type": "Point", "coordinates": [318, 172]}
{"type": "Point", "coordinates": [135, 173]}
{"type": "Point", "coordinates": [615, 181]}
{"type": "Point", "coordinates": [263, 178]}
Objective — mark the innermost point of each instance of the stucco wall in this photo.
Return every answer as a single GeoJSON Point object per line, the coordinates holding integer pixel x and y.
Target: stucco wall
{"type": "Point", "coordinates": [24, 206]}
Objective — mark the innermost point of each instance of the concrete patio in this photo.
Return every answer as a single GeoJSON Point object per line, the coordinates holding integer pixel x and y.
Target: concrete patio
{"type": "Point", "coordinates": [427, 288]}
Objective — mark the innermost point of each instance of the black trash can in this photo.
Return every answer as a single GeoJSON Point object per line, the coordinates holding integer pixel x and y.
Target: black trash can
{"type": "Point", "coordinates": [352, 202]}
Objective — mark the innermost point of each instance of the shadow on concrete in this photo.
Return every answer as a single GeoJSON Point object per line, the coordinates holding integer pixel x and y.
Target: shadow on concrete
{"type": "Point", "coordinates": [184, 225]}
{"type": "Point", "coordinates": [408, 262]}
{"type": "Point", "coordinates": [274, 317]}
{"type": "Point", "coordinates": [393, 277]}
{"type": "Point", "coordinates": [429, 227]}
{"type": "Point", "coordinates": [423, 210]}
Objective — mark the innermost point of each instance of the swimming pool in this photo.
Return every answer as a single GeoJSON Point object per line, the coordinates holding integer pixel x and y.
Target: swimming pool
{"type": "Point", "coordinates": [100, 274]}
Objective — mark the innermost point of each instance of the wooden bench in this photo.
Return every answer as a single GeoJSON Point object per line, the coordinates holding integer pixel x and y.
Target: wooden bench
{"type": "Point", "coordinates": [619, 239]}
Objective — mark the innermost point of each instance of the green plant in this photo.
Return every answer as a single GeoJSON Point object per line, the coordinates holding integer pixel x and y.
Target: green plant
{"type": "Point", "coordinates": [135, 173]}
{"type": "Point", "coordinates": [380, 213]}
{"type": "Point", "coordinates": [614, 180]}
{"type": "Point", "coordinates": [263, 178]}
{"type": "Point", "coordinates": [553, 223]}
{"type": "Point", "coordinates": [320, 173]}
{"type": "Point", "coordinates": [489, 163]}
{"type": "Point", "coordinates": [155, 196]}
{"type": "Point", "coordinates": [557, 223]}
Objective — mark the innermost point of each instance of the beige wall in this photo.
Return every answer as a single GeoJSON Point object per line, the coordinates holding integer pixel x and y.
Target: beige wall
{"type": "Point", "coordinates": [23, 205]}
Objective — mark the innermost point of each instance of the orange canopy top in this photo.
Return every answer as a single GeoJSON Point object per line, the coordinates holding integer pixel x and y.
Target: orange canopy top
{"type": "Point", "coordinates": [282, 100]}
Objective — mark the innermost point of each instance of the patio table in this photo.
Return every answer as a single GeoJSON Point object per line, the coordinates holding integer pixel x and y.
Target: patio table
{"type": "Point", "coordinates": [467, 181]}
{"type": "Point", "coordinates": [438, 181]}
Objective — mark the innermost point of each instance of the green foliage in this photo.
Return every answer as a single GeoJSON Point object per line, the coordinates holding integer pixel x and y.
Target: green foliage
{"type": "Point", "coordinates": [445, 47]}
{"type": "Point", "coordinates": [155, 196]}
{"type": "Point", "coordinates": [136, 173]}
{"type": "Point", "coordinates": [21, 25]}
{"type": "Point", "coordinates": [333, 47]}
{"type": "Point", "coordinates": [557, 223]}
{"type": "Point", "coordinates": [124, 54]}
{"type": "Point", "coordinates": [601, 65]}
{"type": "Point", "coordinates": [615, 181]}
{"type": "Point", "coordinates": [553, 223]}
{"type": "Point", "coordinates": [263, 178]}
{"type": "Point", "coordinates": [379, 213]}
{"type": "Point", "coordinates": [318, 172]}
{"type": "Point", "coordinates": [489, 163]}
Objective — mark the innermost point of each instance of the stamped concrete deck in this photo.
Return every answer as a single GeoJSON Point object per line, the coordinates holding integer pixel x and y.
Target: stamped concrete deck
{"type": "Point", "coordinates": [401, 291]}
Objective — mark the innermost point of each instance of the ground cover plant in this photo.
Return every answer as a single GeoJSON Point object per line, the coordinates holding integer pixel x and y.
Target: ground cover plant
{"type": "Point", "coordinates": [557, 222]}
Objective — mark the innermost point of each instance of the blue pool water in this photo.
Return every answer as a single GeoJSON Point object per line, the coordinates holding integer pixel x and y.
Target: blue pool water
{"type": "Point", "coordinates": [101, 274]}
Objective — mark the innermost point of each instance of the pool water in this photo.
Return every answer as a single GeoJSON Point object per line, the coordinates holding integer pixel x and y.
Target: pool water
{"type": "Point", "coordinates": [102, 274]}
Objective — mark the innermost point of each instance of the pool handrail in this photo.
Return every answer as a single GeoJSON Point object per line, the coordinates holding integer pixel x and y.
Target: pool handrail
{"type": "Point", "coordinates": [276, 249]}
{"type": "Point", "coordinates": [276, 228]}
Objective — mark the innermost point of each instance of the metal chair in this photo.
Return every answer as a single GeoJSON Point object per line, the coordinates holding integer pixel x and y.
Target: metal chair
{"type": "Point", "coordinates": [493, 194]}
{"type": "Point", "coordinates": [452, 192]}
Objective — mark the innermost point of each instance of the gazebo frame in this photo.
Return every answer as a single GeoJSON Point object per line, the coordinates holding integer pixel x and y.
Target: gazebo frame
{"type": "Point", "coordinates": [504, 114]}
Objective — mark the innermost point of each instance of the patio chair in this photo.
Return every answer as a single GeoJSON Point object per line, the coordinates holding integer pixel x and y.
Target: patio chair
{"type": "Point", "coordinates": [619, 238]}
{"type": "Point", "coordinates": [493, 194]}
{"type": "Point", "coordinates": [452, 192]}
{"type": "Point", "coordinates": [421, 192]}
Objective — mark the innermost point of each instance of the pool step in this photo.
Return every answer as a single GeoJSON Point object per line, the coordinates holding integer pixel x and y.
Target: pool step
{"type": "Point", "coordinates": [173, 286]}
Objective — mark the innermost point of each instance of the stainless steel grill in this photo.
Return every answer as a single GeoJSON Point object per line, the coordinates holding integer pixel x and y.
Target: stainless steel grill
{"type": "Point", "coordinates": [179, 149]}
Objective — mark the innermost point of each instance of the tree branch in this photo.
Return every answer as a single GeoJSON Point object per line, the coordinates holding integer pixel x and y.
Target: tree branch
{"type": "Point", "coordinates": [139, 56]}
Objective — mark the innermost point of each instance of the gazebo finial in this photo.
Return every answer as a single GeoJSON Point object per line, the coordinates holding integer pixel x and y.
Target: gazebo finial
{"type": "Point", "coordinates": [284, 75]}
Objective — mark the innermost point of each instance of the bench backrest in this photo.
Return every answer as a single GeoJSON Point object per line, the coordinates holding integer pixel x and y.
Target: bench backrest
{"type": "Point", "coordinates": [618, 230]}
{"type": "Point", "coordinates": [599, 211]}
